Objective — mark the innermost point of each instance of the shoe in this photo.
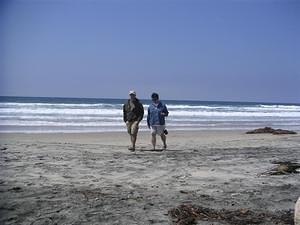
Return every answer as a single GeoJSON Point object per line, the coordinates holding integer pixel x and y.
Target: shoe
{"type": "Point", "coordinates": [165, 147]}
{"type": "Point", "coordinates": [131, 149]}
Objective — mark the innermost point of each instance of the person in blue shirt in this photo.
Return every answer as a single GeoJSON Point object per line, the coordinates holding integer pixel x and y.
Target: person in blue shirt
{"type": "Point", "coordinates": [157, 111]}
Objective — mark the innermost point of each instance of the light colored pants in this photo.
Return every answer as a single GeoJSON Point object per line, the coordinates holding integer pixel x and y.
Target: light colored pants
{"type": "Point", "coordinates": [157, 129]}
{"type": "Point", "coordinates": [132, 127]}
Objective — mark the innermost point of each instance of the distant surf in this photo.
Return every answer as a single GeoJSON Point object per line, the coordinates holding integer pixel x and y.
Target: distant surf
{"type": "Point", "coordinates": [46, 115]}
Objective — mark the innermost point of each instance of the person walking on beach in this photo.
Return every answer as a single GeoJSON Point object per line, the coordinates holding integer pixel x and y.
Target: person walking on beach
{"type": "Point", "coordinates": [157, 111]}
{"type": "Point", "coordinates": [133, 112]}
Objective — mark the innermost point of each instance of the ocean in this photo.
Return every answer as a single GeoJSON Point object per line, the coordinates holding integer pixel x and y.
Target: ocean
{"type": "Point", "coordinates": [48, 115]}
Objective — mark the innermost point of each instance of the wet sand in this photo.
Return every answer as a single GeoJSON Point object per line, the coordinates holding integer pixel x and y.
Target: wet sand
{"type": "Point", "coordinates": [93, 179]}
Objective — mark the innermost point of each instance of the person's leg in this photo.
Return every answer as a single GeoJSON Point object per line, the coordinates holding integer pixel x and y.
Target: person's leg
{"type": "Point", "coordinates": [135, 129]}
{"type": "Point", "coordinates": [160, 131]}
{"type": "Point", "coordinates": [153, 136]}
{"type": "Point", "coordinates": [153, 140]}
{"type": "Point", "coordinates": [129, 130]}
{"type": "Point", "coordinates": [164, 140]}
{"type": "Point", "coordinates": [132, 147]}
{"type": "Point", "coordinates": [133, 140]}
{"type": "Point", "coordinates": [133, 134]}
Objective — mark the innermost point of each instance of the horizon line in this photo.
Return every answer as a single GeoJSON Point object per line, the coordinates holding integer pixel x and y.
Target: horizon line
{"type": "Point", "coordinates": [193, 100]}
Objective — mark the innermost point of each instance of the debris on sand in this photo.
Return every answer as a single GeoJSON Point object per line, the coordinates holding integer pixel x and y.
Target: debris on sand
{"type": "Point", "coordinates": [261, 131]}
{"type": "Point", "coordinates": [271, 131]}
{"type": "Point", "coordinates": [283, 168]}
{"type": "Point", "coordinates": [92, 194]}
{"type": "Point", "coordinates": [16, 189]}
{"type": "Point", "coordinates": [188, 214]}
{"type": "Point", "coordinates": [280, 131]}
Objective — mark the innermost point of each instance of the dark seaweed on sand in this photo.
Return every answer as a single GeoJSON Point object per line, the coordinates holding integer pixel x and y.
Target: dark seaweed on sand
{"type": "Point", "coordinates": [283, 168]}
{"type": "Point", "coordinates": [187, 214]}
{"type": "Point", "coordinates": [270, 130]}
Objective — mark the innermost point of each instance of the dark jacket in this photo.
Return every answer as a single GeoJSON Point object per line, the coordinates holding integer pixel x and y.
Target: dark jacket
{"type": "Point", "coordinates": [154, 114]}
{"type": "Point", "coordinates": [133, 115]}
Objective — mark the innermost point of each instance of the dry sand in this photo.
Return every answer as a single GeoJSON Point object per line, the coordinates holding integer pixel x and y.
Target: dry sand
{"type": "Point", "coordinates": [93, 178]}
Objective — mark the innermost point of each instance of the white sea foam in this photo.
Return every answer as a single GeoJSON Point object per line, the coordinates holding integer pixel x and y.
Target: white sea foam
{"type": "Point", "coordinates": [119, 112]}
{"type": "Point", "coordinates": [82, 117]}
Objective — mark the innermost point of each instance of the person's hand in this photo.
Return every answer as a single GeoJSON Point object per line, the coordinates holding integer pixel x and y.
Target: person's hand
{"type": "Point", "coordinates": [163, 114]}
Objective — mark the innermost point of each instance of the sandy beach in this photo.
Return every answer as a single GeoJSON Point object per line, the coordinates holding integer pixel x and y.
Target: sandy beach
{"type": "Point", "coordinates": [91, 178]}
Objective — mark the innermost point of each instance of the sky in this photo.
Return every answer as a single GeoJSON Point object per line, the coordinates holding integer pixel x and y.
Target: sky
{"type": "Point", "coordinates": [210, 50]}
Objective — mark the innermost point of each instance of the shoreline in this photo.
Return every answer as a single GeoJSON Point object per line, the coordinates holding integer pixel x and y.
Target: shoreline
{"type": "Point", "coordinates": [143, 130]}
{"type": "Point", "coordinates": [174, 137]}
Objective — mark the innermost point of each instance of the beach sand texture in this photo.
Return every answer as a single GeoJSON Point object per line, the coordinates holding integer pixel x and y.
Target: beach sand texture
{"type": "Point", "coordinates": [91, 178]}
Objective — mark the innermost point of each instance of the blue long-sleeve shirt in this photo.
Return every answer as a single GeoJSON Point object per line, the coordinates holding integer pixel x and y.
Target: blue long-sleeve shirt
{"type": "Point", "coordinates": [154, 114]}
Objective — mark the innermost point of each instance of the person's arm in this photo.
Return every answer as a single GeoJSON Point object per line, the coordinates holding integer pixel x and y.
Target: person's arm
{"type": "Point", "coordinates": [164, 111]}
{"type": "Point", "coordinates": [148, 118]}
{"type": "Point", "coordinates": [141, 112]}
{"type": "Point", "coordinates": [124, 113]}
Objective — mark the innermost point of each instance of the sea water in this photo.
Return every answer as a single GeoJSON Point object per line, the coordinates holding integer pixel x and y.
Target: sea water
{"type": "Point", "coordinates": [40, 114]}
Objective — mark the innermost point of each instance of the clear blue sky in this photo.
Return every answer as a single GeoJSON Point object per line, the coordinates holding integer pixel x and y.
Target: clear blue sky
{"type": "Point", "coordinates": [239, 50]}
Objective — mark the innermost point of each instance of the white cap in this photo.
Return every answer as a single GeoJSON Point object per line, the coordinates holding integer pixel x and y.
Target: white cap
{"type": "Point", "coordinates": [132, 92]}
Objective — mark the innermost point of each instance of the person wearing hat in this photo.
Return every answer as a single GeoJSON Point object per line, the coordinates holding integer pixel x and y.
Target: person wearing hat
{"type": "Point", "coordinates": [157, 111]}
{"type": "Point", "coordinates": [133, 112]}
